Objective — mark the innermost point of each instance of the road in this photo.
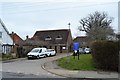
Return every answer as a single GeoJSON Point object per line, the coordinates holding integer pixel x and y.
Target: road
{"type": "Point", "coordinates": [23, 68]}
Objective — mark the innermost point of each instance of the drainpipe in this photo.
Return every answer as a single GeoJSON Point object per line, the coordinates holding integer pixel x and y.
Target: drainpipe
{"type": "Point", "coordinates": [13, 41]}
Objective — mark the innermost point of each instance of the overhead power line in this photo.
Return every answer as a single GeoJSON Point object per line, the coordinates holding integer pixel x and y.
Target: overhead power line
{"type": "Point", "coordinates": [28, 6]}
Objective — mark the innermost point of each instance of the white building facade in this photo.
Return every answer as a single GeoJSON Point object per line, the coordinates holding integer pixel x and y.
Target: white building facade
{"type": "Point", "coordinates": [6, 41]}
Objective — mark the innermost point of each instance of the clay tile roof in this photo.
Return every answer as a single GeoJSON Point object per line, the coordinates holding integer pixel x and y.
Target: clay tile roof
{"type": "Point", "coordinates": [80, 38]}
{"type": "Point", "coordinates": [53, 35]}
{"type": "Point", "coordinates": [17, 39]}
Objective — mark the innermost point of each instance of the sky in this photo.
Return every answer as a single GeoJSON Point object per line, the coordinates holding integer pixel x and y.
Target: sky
{"type": "Point", "coordinates": [25, 17]}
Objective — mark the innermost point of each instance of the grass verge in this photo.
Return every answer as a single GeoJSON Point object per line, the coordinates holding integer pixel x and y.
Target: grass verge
{"type": "Point", "coordinates": [85, 62]}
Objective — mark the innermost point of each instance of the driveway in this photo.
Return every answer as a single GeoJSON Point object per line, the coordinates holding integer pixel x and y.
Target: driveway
{"type": "Point", "coordinates": [28, 67]}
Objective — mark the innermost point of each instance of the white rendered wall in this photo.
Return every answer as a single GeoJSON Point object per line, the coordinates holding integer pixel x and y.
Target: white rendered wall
{"type": "Point", "coordinates": [6, 39]}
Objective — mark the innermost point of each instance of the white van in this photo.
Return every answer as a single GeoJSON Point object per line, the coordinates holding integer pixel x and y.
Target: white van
{"type": "Point", "coordinates": [37, 53]}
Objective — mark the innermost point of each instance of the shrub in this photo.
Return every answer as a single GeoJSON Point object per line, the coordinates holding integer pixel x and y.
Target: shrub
{"type": "Point", "coordinates": [106, 54]}
{"type": "Point", "coordinates": [20, 52]}
{"type": "Point", "coordinates": [28, 49]}
{"type": "Point", "coordinates": [23, 51]}
{"type": "Point", "coordinates": [7, 56]}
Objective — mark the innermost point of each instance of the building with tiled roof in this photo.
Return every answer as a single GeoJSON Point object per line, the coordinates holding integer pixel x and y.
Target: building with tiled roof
{"type": "Point", "coordinates": [60, 40]}
{"type": "Point", "coordinates": [83, 40]}
{"type": "Point", "coordinates": [16, 38]}
{"type": "Point", "coordinates": [6, 42]}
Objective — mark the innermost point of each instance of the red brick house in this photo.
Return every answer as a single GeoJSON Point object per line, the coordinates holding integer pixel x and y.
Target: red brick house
{"type": "Point", "coordinates": [16, 39]}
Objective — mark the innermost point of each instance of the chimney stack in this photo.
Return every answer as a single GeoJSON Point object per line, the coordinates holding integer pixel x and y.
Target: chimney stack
{"type": "Point", "coordinates": [13, 37]}
{"type": "Point", "coordinates": [27, 37]}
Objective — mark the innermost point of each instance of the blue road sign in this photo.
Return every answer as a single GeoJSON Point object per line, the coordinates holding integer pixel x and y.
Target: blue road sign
{"type": "Point", "coordinates": [76, 46]}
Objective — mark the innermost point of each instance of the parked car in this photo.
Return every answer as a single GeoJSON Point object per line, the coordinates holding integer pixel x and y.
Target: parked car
{"type": "Point", "coordinates": [37, 53]}
{"type": "Point", "coordinates": [87, 50]}
{"type": "Point", "coordinates": [51, 52]}
{"type": "Point", "coordinates": [81, 50]}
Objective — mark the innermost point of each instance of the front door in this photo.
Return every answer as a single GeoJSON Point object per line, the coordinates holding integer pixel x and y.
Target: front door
{"type": "Point", "coordinates": [60, 49]}
{"type": "Point", "coordinates": [56, 49]}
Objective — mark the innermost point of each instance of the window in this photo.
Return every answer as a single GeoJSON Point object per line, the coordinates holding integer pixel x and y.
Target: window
{"type": "Point", "coordinates": [0, 34]}
{"type": "Point", "coordinates": [64, 47]}
{"type": "Point", "coordinates": [40, 51]}
{"type": "Point", "coordinates": [35, 50]}
{"type": "Point", "coordinates": [48, 38]}
{"type": "Point", "coordinates": [58, 37]}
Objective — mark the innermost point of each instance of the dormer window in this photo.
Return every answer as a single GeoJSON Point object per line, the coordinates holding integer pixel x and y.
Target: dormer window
{"type": "Point", "coordinates": [48, 38]}
{"type": "Point", "coordinates": [0, 34]}
{"type": "Point", "coordinates": [59, 38]}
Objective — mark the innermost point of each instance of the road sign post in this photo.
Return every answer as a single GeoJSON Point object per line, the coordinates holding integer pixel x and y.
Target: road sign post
{"type": "Point", "coordinates": [76, 46]}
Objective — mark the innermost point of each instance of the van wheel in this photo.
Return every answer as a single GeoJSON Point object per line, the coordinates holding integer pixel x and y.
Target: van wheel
{"type": "Point", "coordinates": [45, 55]}
{"type": "Point", "coordinates": [28, 58]}
{"type": "Point", "coordinates": [38, 57]}
{"type": "Point", "coordinates": [55, 54]}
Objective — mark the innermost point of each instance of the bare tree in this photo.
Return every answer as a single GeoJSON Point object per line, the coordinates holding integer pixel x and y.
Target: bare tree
{"type": "Point", "coordinates": [97, 26]}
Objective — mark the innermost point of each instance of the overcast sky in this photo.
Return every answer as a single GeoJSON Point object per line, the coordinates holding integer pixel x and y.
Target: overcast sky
{"type": "Point", "coordinates": [25, 17]}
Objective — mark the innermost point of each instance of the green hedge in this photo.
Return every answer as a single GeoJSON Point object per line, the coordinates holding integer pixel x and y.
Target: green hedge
{"type": "Point", "coordinates": [106, 54]}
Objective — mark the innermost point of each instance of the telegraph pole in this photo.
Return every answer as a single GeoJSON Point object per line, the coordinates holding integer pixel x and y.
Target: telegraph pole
{"type": "Point", "coordinates": [68, 54]}
{"type": "Point", "coordinates": [69, 25]}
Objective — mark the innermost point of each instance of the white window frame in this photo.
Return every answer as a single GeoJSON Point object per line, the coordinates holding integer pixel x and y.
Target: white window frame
{"type": "Point", "coordinates": [48, 38]}
{"type": "Point", "coordinates": [59, 38]}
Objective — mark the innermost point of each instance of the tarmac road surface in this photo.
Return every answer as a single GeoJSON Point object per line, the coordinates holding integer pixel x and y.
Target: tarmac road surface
{"type": "Point", "coordinates": [25, 68]}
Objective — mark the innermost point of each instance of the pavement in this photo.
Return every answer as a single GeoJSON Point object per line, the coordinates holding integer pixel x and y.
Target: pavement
{"type": "Point", "coordinates": [53, 68]}
{"type": "Point", "coordinates": [12, 60]}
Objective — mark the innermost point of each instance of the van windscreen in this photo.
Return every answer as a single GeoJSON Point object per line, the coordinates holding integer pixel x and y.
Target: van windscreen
{"type": "Point", "coordinates": [35, 50]}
